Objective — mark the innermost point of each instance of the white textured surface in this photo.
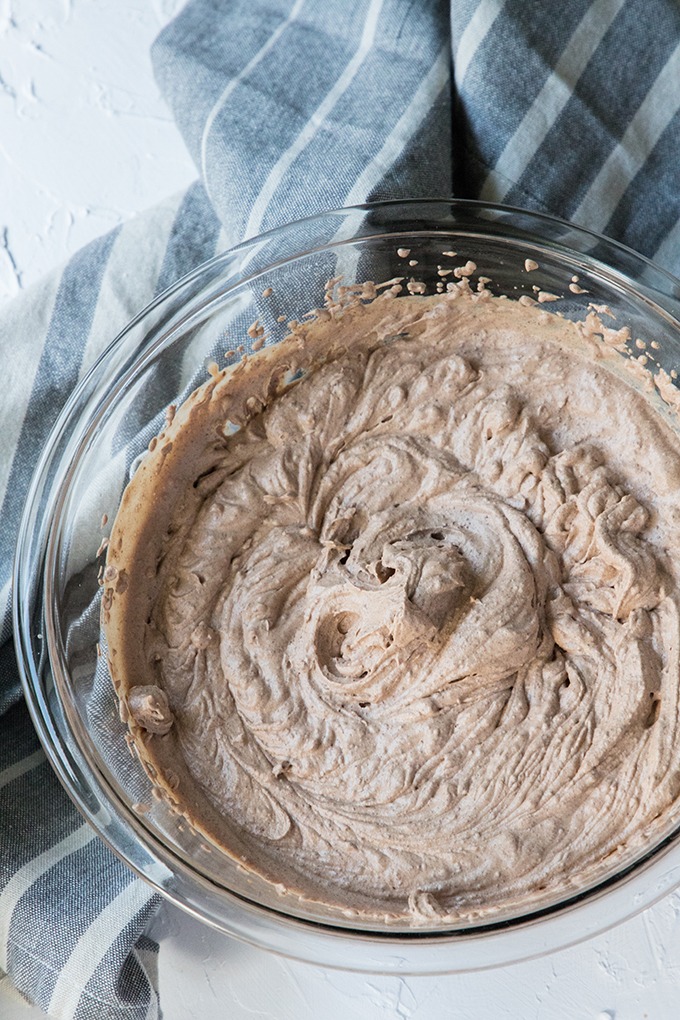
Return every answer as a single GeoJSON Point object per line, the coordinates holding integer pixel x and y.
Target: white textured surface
{"type": "Point", "coordinates": [86, 141]}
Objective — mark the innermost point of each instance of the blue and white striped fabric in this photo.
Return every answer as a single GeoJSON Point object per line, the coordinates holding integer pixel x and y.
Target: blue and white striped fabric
{"type": "Point", "coordinates": [289, 107]}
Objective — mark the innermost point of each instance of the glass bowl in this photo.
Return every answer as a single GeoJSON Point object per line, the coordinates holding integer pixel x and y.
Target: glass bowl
{"type": "Point", "coordinates": [98, 439]}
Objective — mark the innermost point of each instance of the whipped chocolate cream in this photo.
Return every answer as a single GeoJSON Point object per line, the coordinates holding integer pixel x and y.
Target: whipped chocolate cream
{"type": "Point", "coordinates": [403, 636]}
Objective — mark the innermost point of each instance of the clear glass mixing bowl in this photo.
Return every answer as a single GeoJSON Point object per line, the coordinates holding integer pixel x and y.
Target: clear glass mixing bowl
{"type": "Point", "coordinates": [106, 425]}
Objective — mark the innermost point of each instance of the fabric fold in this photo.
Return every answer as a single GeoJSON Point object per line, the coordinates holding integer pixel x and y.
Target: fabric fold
{"type": "Point", "coordinates": [291, 107]}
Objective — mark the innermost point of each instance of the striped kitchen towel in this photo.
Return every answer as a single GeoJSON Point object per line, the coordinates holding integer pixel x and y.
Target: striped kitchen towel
{"type": "Point", "coordinates": [289, 107]}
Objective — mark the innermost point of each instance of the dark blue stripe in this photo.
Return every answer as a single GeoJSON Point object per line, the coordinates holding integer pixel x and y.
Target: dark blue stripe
{"type": "Point", "coordinates": [265, 114]}
{"type": "Point", "coordinates": [193, 237]}
{"type": "Point", "coordinates": [192, 63]}
{"type": "Point", "coordinates": [508, 71]}
{"type": "Point", "coordinates": [79, 887]}
{"type": "Point", "coordinates": [120, 983]}
{"type": "Point", "coordinates": [355, 131]}
{"type": "Point", "coordinates": [192, 240]}
{"type": "Point", "coordinates": [425, 169]}
{"type": "Point", "coordinates": [605, 100]}
{"type": "Point", "coordinates": [18, 738]}
{"type": "Point", "coordinates": [10, 693]}
{"type": "Point", "coordinates": [36, 813]}
{"type": "Point", "coordinates": [652, 199]}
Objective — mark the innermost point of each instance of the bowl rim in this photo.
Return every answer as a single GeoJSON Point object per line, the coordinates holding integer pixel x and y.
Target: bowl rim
{"type": "Point", "coordinates": [483, 940]}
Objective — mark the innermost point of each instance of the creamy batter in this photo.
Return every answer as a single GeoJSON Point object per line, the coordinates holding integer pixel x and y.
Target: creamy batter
{"type": "Point", "coordinates": [407, 641]}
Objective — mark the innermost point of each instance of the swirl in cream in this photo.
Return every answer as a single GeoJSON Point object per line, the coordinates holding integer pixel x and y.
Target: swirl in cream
{"type": "Point", "coordinates": [416, 621]}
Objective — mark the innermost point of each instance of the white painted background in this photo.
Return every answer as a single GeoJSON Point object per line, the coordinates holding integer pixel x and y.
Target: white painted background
{"type": "Point", "coordinates": [85, 142]}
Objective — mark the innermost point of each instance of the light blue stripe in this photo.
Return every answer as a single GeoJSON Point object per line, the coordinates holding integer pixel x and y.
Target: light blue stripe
{"type": "Point", "coordinates": [58, 368]}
